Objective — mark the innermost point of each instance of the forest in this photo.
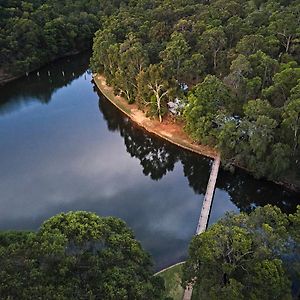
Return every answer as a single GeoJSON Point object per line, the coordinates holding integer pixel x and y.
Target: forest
{"type": "Point", "coordinates": [76, 255]}
{"type": "Point", "coordinates": [230, 72]}
{"type": "Point", "coordinates": [35, 32]}
{"type": "Point", "coordinates": [80, 255]}
{"type": "Point", "coordinates": [244, 257]}
{"type": "Point", "coordinates": [230, 67]}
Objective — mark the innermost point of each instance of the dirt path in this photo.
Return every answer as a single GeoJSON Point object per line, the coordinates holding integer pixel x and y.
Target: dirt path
{"type": "Point", "coordinates": [168, 268]}
{"type": "Point", "coordinates": [168, 129]}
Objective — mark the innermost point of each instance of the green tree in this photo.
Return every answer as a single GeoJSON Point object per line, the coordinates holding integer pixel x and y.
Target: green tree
{"type": "Point", "coordinates": [228, 140]}
{"type": "Point", "coordinates": [260, 137]}
{"type": "Point", "coordinates": [132, 59]}
{"type": "Point", "coordinates": [103, 47]}
{"type": "Point", "coordinates": [175, 53]}
{"type": "Point", "coordinates": [154, 88]}
{"type": "Point", "coordinates": [193, 68]}
{"type": "Point", "coordinates": [263, 66]}
{"type": "Point", "coordinates": [234, 30]}
{"type": "Point", "coordinates": [239, 258]}
{"type": "Point", "coordinates": [284, 82]}
{"type": "Point", "coordinates": [250, 44]}
{"type": "Point", "coordinates": [239, 70]}
{"type": "Point", "coordinates": [255, 108]}
{"type": "Point", "coordinates": [291, 115]}
{"type": "Point", "coordinates": [285, 23]}
{"type": "Point", "coordinates": [205, 102]}
{"type": "Point", "coordinates": [279, 160]}
{"type": "Point", "coordinates": [77, 255]}
{"type": "Point", "coordinates": [212, 42]}
{"type": "Point", "coordinates": [253, 87]}
{"type": "Point", "coordinates": [295, 235]}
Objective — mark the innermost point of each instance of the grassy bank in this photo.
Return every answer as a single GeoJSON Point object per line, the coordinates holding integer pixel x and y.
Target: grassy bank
{"type": "Point", "coordinates": [172, 278]}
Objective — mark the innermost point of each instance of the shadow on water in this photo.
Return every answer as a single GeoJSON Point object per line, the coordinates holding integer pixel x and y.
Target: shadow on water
{"type": "Point", "coordinates": [61, 157]}
{"type": "Point", "coordinates": [247, 192]}
{"type": "Point", "coordinates": [41, 85]}
{"type": "Point", "coordinates": [157, 157]}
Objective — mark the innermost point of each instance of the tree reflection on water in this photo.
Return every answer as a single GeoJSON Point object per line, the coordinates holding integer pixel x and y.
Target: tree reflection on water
{"type": "Point", "coordinates": [41, 86]}
{"type": "Point", "coordinates": [157, 157]}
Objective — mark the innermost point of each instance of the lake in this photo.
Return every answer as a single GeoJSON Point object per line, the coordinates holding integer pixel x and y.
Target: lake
{"type": "Point", "coordinates": [64, 147]}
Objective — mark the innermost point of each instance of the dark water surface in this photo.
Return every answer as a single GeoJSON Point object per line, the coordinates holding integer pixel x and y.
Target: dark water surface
{"type": "Point", "coordinates": [64, 147]}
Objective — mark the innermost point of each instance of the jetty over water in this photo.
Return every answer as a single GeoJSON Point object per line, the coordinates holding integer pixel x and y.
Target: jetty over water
{"type": "Point", "coordinates": [175, 134]}
{"type": "Point", "coordinates": [209, 195]}
{"type": "Point", "coordinates": [205, 210]}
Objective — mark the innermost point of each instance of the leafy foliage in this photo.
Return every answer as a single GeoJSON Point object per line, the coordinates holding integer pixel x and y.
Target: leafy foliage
{"type": "Point", "coordinates": [231, 55]}
{"type": "Point", "coordinates": [34, 32]}
{"type": "Point", "coordinates": [148, 50]}
{"type": "Point", "coordinates": [245, 256]}
{"type": "Point", "coordinates": [77, 255]}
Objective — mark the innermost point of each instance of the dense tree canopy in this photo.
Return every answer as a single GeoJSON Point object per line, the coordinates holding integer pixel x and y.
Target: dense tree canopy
{"type": "Point", "coordinates": [244, 256]}
{"type": "Point", "coordinates": [34, 32]}
{"type": "Point", "coordinates": [150, 51]}
{"type": "Point", "coordinates": [239, 59]}
{"type": "Point", "coordinates": [157, 157]}
{"type": "Point", "coordinates": [77, 255]}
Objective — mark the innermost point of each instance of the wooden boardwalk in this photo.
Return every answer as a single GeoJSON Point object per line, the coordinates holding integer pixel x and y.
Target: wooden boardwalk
{"type": "Point", "coordinates": [208, 198]}
{"type": "Point", "coordinates": [205, 210]}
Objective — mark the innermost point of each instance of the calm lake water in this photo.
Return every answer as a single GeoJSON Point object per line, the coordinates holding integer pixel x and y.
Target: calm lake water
{"type": "Point", "coordinates": [64, 147]}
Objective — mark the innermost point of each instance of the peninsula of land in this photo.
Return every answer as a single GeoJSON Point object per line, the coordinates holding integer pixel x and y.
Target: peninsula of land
{"type": "Point", "coordinates": [169, 129]}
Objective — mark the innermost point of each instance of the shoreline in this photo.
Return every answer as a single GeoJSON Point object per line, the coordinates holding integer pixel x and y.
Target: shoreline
{"type": "Point", "coordinates": [9, 78]}
{"type": "Point", "coordinates": [168, 268]}
{"type": "Point", "coordinates": [170, 131]}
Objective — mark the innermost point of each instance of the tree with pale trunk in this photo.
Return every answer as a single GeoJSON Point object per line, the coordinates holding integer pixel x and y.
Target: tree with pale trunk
{"type": "Point", "coordinates": [291, 115]}
{"type": "Point", "coordinates": [154, 89]}
{"type": "Point", "coordinates": [213, 41]}
{"type": "Point", "coordinates": [286, 25]}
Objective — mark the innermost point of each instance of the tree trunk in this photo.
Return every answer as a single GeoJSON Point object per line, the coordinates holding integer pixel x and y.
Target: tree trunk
{"type": "Point", "coordinates": [215, 61]}
{"type": "Point", "coordinates": [159, 107]}
{"type": "Point", "coordinates": [295, 139]}
{"type": "Point", "coordinates": [288, 43]}
{"type": "Point", "coordinates": [156, 90]}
